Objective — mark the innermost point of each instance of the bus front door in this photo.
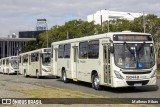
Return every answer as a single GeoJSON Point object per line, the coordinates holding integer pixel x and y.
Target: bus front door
{"type": "Point", "coordinates": [106, 60]}
{"type": "Point", "coordinates": [75, 59]}
{"type": "Point", "coordinates": [55, 72]}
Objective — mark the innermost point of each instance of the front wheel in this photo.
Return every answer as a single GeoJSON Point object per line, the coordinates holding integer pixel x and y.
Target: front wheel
{"type": "Point", "coordinates": [96, 82]}
{"type": "Point", "coordinates": [64, 77]}
{"type": "Point", "coordinates": [37, 75]}
{"type": "Point", "coordinates": [25, 74]}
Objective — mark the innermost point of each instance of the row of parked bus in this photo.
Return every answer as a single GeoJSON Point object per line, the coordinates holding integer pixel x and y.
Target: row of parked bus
{"type": "Point", "coordinates": [117, 59]}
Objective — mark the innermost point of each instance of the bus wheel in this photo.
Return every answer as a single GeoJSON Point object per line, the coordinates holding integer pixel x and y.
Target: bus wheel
{"type": "Point", "coordinates": [25, 74]}
{"type": "Point", "coordinates": [3, 71]}
{"type": "Point", "coordinates": [8, 72]}
{"type": "Point", "coordinates": [64, 77]}
{"type": "Point", "coordinates": [37, 75]}
{"type": "Point", "coordinates": [96, 82]}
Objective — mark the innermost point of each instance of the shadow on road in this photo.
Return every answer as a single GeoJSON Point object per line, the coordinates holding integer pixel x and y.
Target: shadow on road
{"type": "Point", "coordinates": [34, 77]}
{"type": "Point", "coordinates": [78, 83]}
{"type": "Point", "coordinates": [116, 90]}
{"type": "Point", "coordinates": [131, 89]}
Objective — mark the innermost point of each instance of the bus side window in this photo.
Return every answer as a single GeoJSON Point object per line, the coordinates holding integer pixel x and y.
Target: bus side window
{"type": "Point", "coordinates": [67, 51]}
{"type": "Point", "coordinates": [93, 49]}
{"type": "Point", "coordinates": [61, 51]}
{"type": "Point", "coordinates": [83, 50]}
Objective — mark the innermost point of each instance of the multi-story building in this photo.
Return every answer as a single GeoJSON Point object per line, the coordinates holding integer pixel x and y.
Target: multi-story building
{"type": "Point", "coordinates": [105, 15]}
{"type": "Point", "coordinates": [12, 46]}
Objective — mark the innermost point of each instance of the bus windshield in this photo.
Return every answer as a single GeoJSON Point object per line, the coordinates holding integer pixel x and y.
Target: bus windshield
{"type": "Point", "coordinates": [14, 63]}
{"type": "Point", "coordinates": [46, 59]}
{"type": "Point", "coordinates": [134, 55]}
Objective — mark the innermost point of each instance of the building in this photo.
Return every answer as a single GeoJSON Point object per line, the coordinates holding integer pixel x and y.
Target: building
{"type": "Point", "coordinates": [29, 34]}
{"type": "Point", "coordinates": [12, 46]}
{"type": "Point", "coordinates": [106, 15]}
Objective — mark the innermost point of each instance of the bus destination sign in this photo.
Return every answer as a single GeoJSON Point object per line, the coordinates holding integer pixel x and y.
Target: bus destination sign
{"type": "Point", "coordinates": [132, 38]}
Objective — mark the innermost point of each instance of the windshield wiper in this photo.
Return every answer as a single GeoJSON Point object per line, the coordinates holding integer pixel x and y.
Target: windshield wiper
{"type": "Point", "coordinates": [128, 48]}
{"type": "Point", "coordinates": [142, 45]}
{"type": "Point", "coordinates": [132, 52]}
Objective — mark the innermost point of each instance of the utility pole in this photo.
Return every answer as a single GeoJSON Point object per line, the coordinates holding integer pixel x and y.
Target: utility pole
{"type": "Point", "coordinates": [67, 36]}
{"type": "Point", "coordinates": [101, 20]}
{"type": "Point", "coordinates": [108, 21]}
{"type": "Point", "coordinates": [47, 33]}
{"type": "Point", "coordinates": [144, 23]}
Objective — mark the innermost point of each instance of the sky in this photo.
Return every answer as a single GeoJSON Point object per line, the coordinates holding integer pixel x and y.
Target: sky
{"type": "Point", "coordinates": [22, 15]}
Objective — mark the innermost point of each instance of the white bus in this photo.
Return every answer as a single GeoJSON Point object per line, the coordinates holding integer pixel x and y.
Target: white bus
{"type": "Point", "coordinates": [0, 65]}
{"type": "Point", "coordinates": [116, 59]}
{"type": "Point", "coordinates": [35, 63]}
{"type": "Point", "coordinates": [3, 65]}
{"type": "Point", "coordinates": [10, 65]}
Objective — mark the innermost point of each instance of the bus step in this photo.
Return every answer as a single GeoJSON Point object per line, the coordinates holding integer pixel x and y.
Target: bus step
{"type": "Point", "coordinates": [75, 79]}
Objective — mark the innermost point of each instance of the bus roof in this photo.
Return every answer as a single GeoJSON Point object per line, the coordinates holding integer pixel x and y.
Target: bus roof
{"type": "Point", "coordinates": [9, 57]}
{"type": "Point", "coordinates": [93, 37]}
{"type": "Point", "coordinates": [38, 50]}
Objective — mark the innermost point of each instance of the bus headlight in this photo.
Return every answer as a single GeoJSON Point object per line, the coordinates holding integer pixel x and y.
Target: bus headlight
{"type": "Point", "coordinates": [154, 73]}
{"type": "Point", "coordinates": [44, 70]}
{"type": "Point", "coordinates": [118, 75]}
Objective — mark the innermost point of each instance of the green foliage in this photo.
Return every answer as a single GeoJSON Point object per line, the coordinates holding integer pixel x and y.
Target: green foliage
{"type": "Point", "coordinates": [80, 28]}
{"type": "Point", "coordinates": [71, 29]}
{"type": "Point", "coordinates": [31, 45]}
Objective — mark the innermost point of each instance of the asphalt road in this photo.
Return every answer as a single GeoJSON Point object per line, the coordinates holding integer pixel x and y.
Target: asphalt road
{"type": "Point", "coordinates": [139, 92]}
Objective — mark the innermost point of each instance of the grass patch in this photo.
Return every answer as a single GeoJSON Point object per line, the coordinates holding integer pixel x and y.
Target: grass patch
{"type": "Point", "coordinates": [64, 93]}
{"type": "Point", "coordinates": [2, 84]}
{"type": "Point", "coordinates": [56, 93]}
{"type": "Point", "coordinates": [158, 72]}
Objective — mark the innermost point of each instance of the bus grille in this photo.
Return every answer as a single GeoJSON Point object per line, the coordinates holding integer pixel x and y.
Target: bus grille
{"type": "Point", "coordinates": [134, 82]}
{"type": "Point", "coordinates": [137, 72]}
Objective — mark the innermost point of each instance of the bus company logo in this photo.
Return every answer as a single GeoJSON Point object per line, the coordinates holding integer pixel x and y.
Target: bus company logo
{"type": "Point", "coordinates": [6, 101]}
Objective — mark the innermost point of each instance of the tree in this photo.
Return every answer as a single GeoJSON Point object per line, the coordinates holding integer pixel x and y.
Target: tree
{"type": "Point", "coordinates": [80, 28]}
{"type": "Point", "coordinates": [30, 45]}
{"type": "Point", "coordinates": [71, 29]}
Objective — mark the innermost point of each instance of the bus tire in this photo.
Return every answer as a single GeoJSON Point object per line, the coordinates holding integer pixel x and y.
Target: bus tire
{"type": "Point", "coordinates": [3, 72]}
{"type": "Point", "coordinates": [96, 82]}
{"type": "Point", "coordinates": [64, 76]}
{"type": "Point", "coordinates": [37, 75]}
{"type": "Point", "coordinates": [25, 74]}
{"type": "Point", "coordinates": [8, 72]}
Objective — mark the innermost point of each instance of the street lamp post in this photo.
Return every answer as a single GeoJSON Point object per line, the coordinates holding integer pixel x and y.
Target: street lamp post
{"type": "Point", "coordinates": [144, 21]}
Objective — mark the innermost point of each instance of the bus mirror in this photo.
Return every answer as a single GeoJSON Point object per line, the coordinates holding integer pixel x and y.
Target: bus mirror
{"type": "Point", "coordinates": [111, 49]}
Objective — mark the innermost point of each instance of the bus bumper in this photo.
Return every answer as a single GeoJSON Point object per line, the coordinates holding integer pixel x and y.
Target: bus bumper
{"type": "Point", "coordinates": [134, 83]}
{"type": "Point", "coordinates": [13, 71]}
{"type": "Point", "coordinates": [46, 73]}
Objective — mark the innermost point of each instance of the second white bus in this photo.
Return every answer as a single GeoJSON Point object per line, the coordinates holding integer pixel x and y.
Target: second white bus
{"type": "Point", "coordinates": [35, 63]}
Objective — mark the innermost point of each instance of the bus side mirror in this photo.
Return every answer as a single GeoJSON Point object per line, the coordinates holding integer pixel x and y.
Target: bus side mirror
{"type": "Point", "coordinates": [111, 49]}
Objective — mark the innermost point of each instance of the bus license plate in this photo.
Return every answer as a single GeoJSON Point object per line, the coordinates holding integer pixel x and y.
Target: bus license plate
{"type": "Point", "coordinates": [137, 84]}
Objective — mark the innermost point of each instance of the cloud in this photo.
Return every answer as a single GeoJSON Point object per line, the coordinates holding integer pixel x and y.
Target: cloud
{"type": "Point", "coordinates": [17, 15]}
